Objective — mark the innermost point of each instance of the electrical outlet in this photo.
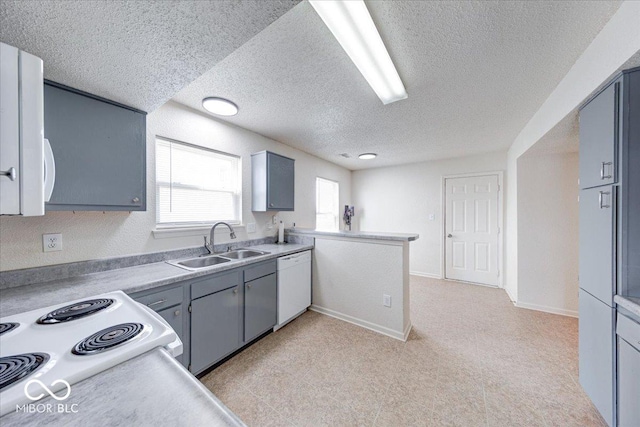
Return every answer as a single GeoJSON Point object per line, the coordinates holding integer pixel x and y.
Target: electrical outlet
{"type": "Point", "coordinates": [386, 300]}
{"type": "Point", "coordinates": [251, 227]}
{"type": "Point", "coordinates": [51, 242]}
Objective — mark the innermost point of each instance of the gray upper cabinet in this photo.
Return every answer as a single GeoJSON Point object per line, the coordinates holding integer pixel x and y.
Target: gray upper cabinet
{"type": "Point", "coordinates": [597, 242]}
{"type": "Point", "coordinates": [630, 188]}
{"type": "Point", "coordinates": [599, 121]}
{"type": "Point", "coordinates": [99, 149]}
{"type": "Point", "coordinates": [272, 182]}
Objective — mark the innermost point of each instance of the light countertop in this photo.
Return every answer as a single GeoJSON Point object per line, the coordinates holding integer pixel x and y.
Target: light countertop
{"type": "Point", "coordinates": [130, 280]}
{"type": "Point", "coordinates": [152, 389]}
{"type": "Point", "coordinates": [405, 237]}
{"type": "Point", "coordinates": [629, 303]}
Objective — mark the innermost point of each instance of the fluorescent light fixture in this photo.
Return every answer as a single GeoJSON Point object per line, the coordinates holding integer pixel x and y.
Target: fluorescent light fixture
{"type": "Point", "coordinates": [367, 156]}
{"type": "Point", "coordinates": [351, 24]}
{"type": "Point", "coordinates": [220, 106]}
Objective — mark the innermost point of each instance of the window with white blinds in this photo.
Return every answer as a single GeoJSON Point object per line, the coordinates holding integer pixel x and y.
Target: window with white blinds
{"type": "Point", "coordinates": [327, 204]}
{"type": "Point", "coordinates": [196, 185]}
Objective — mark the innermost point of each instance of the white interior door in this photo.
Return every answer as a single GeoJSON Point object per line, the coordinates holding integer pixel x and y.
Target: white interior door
{"type": "Point", "coordinates": [471, 229]}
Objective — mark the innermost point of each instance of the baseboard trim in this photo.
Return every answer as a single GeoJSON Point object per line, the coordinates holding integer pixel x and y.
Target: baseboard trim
{"type": "Point", "coordinates": [511, 297]}
{"type": "Point", "coordinates": [429, 275]}
{"type": "Point", "coordinates": [407, 331]}
{"type": "Point", "coordinates": [546, 309]}
{"type": "Point", "coordinates": [363, 323]}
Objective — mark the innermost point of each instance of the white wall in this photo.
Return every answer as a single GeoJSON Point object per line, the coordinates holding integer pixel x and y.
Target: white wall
{"type": "Point", "coordinates": [400, 199]}
{"type": "Point", "coordinates": [610, 51]}
{"type": "Point", "coordinates": [548, 232]}
{"type": "Point", "coordinates": [350, 277]}
{"type": "Point", "coordinates": [93, 235]}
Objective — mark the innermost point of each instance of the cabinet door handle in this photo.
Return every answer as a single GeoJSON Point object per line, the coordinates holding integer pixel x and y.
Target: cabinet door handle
{"type": "Point", "coordinates": [156, 303]}
{"type": "Point", "coordinates": [11, 174]}
{"type": "Point", "coordinates": [235, 291]}
{"type": "Point", "coordinates": [135, 200]}
{"type": "Point", "coordinates": [270, 205]}
{"type": "Point", "coordinates": [249, 286]}
{"type": "Point", "coordinates": [601, 195]}
{"type": "Point", "coordinates": [602, 167]}
{"type": "Point", "coordinates": [176, 313]}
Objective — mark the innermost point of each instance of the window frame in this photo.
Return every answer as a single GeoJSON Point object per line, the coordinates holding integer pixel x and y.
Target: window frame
{"type": "Point", "coordinates": [337, 214]}
{"type": "Point", "coordinates": [195, 225]}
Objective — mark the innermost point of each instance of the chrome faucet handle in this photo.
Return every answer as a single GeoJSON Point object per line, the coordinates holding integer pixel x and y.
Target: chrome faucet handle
{"type": "Point", "coordinates": [233, 234]}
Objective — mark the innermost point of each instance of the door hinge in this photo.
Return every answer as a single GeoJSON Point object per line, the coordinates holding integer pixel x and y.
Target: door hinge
{"type": "Point", "coordinates": [498, 230]}
{"type": "Point", "coordinates": [189, 308]}
{"type": "Point", "coordinates": [498, 187]}
{"type": "Point", "coordinates": [189, 367]}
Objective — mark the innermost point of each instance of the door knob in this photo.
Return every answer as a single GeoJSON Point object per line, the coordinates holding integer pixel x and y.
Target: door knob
{"type": "Point", "coordinates": [449, 235]}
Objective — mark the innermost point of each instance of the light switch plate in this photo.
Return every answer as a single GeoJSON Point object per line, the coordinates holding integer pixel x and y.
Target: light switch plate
{"type": "Point", "coordinates": [52, 242]}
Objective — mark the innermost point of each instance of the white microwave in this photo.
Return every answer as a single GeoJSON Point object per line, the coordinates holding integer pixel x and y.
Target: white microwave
{"type": "Point", "coordinates": [27, 168]}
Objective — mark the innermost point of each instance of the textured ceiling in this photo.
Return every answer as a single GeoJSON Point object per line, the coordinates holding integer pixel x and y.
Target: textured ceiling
{"type": "Point", "coordinates": [139, 53]}
{"type": "Point", "coordinates": [564, 137]}
{"type": "Point", "coordinates": [475, 72]}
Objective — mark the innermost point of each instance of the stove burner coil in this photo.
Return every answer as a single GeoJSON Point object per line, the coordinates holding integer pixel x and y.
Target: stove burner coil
{"type": "Point", "coordinates": [107, 339]}
{"type": "Point", "coordinates": [6, 327]}
{"type": "Point", "coordinates": [75, 311]}
{"type": "Point", "coordinates": [15, 368]}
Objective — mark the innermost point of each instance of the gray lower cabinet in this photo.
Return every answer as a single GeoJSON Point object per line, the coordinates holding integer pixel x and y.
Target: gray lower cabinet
{"type": "Point", "coordinates": [260, 306]}
{"type": "Point", "coordinates": [628, 372]}
{"type": "Point", "coordinates": [174, 317]}
{"type": "Point", "coordinates": [596, 353]}
{"type": "Point", "coordinates": [599, 124]}
{"type": "Point", "coordinates": [597, 242]}
{"type": "Point", "coordinates": [214, 328]}
{"type": "Point", "coordinates": [170, 303]}
{"type": "Point", "coordinates": [99, 149]}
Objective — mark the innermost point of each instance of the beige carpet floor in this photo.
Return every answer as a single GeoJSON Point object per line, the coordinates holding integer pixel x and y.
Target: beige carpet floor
{"type": "Point", "coordinates": [472, 359]}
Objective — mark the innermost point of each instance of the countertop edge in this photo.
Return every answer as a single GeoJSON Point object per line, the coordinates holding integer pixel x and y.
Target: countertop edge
{"type": "Point", "coordinates": [403, 237]}
{"type": "Point", "coordinates": [628, 303]}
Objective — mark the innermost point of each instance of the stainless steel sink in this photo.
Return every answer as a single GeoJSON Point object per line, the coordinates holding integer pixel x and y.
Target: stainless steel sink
{"type": "Point", "coordinates": [198, 263]}
{"type": "Point", "coordinates": [242, 254]}
{"type": "Point", "coordinates": [194, 264]}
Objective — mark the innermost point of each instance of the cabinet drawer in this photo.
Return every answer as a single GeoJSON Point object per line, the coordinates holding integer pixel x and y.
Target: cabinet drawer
{"type": "Point", "coordinates": [629, 330]}
{"type": "Point", "coordinates": [214, 284]}
{"type": "Point", "coordinates": [260, 270]}
{"type": "Point", "coordinates": [163, 299]}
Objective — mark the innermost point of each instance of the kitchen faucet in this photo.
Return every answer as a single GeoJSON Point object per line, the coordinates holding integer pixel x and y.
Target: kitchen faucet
{"type": "Point", "coordinates": [210, 246]}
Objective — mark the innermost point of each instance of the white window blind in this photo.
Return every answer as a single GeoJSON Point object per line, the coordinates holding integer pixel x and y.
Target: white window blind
{"type": "Point", "coordinates": [327, 208]}
{"type": "Point", "coordinates": [195, 185]}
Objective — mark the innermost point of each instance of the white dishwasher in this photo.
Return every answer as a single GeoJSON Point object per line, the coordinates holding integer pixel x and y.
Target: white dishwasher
{"type": "Point", "coordinates": [294, 286]}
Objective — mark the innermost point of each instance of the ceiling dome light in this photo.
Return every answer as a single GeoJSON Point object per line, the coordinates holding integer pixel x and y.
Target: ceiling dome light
{"type": "Point", "coordinates": [220, 106]}
{"type": "Point", "coordinates": [367, 156]}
